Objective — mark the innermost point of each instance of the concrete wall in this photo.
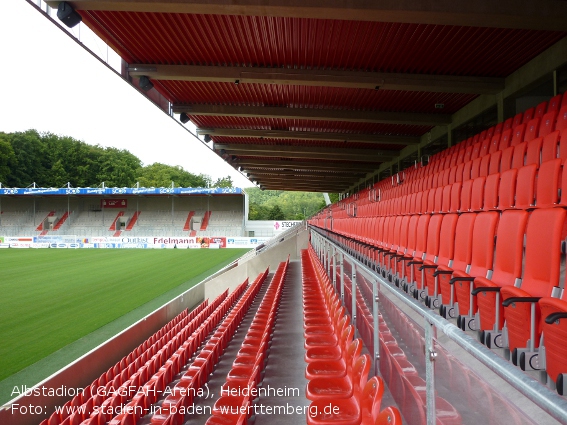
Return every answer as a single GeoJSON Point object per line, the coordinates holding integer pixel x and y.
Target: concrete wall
{"type": "Point", "coordinates": [86, 369]}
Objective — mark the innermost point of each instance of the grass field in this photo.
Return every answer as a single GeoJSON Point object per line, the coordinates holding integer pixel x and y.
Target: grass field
{"type": "Point", "coordinates": [52, 297]}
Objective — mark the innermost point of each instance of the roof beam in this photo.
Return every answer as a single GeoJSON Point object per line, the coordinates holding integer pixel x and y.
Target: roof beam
{"type": "Point", "coordinates": [308, 135]}
{"type": "Point", "coordinates": [339, 166]}
{"type": "Point", "coordinates": [302, 173]}
{"type": "Point", "coordinates": [304, 187]}
{"type": "Point", "coordinates": [375, 117]}
{"type": "Point", "coordinates": [306, 152]}
{"type": "Point", "coordinates": [326, 178]}
{"type": "Point", "coordinates": [320, 78]}
{"type": "Point", "coordinates": [528, 14]}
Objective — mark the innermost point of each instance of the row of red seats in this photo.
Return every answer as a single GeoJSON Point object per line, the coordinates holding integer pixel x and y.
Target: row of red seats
{"type": "Point", "coordinates": [151, 376]}
{"type": "Point", "coordinates": [401, 376]}
{"type": "Point", "coordinates": [339, 387]}
{"type": "Point", "coordinates": [98, 391]}
{"type": "Point", "coordinates": [447, 260]}
{"type": "Point", "coordinates": [535, 136]}
{"type": "Point", "coordinates": [173, 408]}
{"type": "Point", "coordinates": [235, 406]}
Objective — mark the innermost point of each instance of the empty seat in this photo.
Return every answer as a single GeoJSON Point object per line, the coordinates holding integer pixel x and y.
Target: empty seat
{"type": "Point", "coordinates": [547, 124]}
{"type": "Point", "coordinates": [518, 134]}
{"type": "Point", "coordinates": [507, 271]}
{"type": "Point", "coordinates": [480, 265]}
{"type": "Point", "coordinates": [541, 275]}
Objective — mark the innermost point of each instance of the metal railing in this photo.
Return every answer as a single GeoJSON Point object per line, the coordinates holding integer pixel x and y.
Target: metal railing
{"type": "Point", "coordinates": [334, 258]}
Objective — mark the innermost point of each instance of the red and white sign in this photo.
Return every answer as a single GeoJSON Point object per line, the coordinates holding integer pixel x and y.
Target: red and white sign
{"type": "Point", "coordinates": [113, 203]}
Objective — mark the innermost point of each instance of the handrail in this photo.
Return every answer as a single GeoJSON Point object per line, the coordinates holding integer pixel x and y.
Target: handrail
{"type": "Point", "coordinates": [542, 396]}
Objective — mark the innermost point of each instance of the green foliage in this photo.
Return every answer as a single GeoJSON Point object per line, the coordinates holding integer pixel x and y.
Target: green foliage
{"type": "Point", "coordinates": [293, 205]}
{"type": "Point", "coordinates": [276, 213]}
{"type": "Point", "coordinates": [53, 161]}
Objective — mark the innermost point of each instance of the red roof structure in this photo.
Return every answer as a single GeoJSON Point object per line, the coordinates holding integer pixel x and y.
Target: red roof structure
{"type": "Point", "coordinates": [292, 91]}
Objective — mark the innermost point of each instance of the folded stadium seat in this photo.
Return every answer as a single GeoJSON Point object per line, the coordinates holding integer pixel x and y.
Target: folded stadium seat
{"type": "Point", "coordinates": [475, 168]}
{"type": "Point", "coordinates": [507, 272]}
{"type": "Point", "coordinates": [455, 197]}
{"type": "Point", "coordinates": [406, 248]}
{"type": "Point", "coordinates": [469, 142]}
{"type": "Point", "coordinates": [430, 253]}
{"type": "Point", "coordinates": [415, 250]}
{"type": "Point", "coordinates": [398, 249]}
{"type": "Point", "coordinates": [446, 199]}
{"type": "Point", "coordinates": [550, 146]}
{"type": "Point", "coordinates": [445, 176]}
{"type": "Point", "coordinates": [481, 265]}
{"type": "Point", "coordinates": [528, 115]}
{"type": "Point", "coordinates": [533, 151]}
{"type": "Point", "coordinates": [532, 129]}
{"type": "Point", "coordinates": [525, 187]}
{"type": "Point", "coordinates": [477, 194]}
{"type": "Point", "coordinates": [444, 257]}
{"type": "Point", "coordinates": [508, 124]}
{"type": "Point", "coordinates": [467, 170]}
{"type": "Point", "coordinates": [541, 275]}
{"type": "Point", "coordinates": [554, 330]}
{"type": "Point", "coordinates": [547, 186]}
{"type": "Point", "coordinates": [547, 124]}
{"type": "Point", "coordinates": [387, 266]}
{"type": "Point", "coordinates": [452, 175]}
{"type": "Point", "coordinates": [459, 172]}
{"type": "Point", "coordinates": [494, 143]}
{"type": "Point", "coordinates": [454, 158]}
{"type": "Point", "coordinates": [518, 134]}
{"type": "Point", "coordinates": [484, 147]}
{"type": "Point", "coordinates": [438, 200]}
{"type": "Point", "coordinates": [482, 134]}
{"type": "Point", "coordinates": [498, 128]}
{"type": "Point", "coordinates": [540, 109]}
{"type": "Point", "coordinates": [494, 162]}
{"type": "Point", "coordinates": [491, 187]}
{"type": "Point", "coordinates": [561, 123]}
{"type": "Point", "coordinates": [430, 201]}
{"type": "Point", "coordinates": [467, 153]}
{"type": "Point", "coordinates": [554, 103]}
{"type": "Point", "coordinates": [476, 151]}
{"type": "Point", "coordinates": [466, 193]}
{"type": "Point", "coordinates": [484, 166]}
{"type": "Point", "coordinates": [517, 119]}
{"type": "Point", "coordinates": [506, 159]}
{"type": "Point", "coordinates": [505, 139]}
{"type": "Point", "coordinates": [519, 155]}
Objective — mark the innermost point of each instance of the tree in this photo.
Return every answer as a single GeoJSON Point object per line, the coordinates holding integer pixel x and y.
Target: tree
{"type": "Point", "coordinates": [58, 176]}
{"type": "Point", "coordinates": [223, 182]}
{"type": "Point", "coordinates": [8, 160]}
{"type": "Point", "coordinates": [276, 213]}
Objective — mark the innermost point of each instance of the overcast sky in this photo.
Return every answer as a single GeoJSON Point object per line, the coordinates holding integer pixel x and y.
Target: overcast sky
{"type": "Point", "coordinates": [51, 84]}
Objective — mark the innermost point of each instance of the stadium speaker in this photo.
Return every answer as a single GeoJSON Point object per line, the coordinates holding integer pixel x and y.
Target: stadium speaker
{"type": "Point", "coordinates": [184, 118]}
{"type": "Point", "coordinates": [145, 83]}
{"type": "Point", "coordinates": [207, 138]}
{"type": "Point", "coordinates": [67, 14]}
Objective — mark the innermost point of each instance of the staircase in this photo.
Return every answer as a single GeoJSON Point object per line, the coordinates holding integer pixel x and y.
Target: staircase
{"type": "Point", "coordinates": [133, 221]}
{"type": "Point", "coordinates": [112, 227]}
{"type": "Point", "coordinates": [205, 221]}
{"type": "Point", "coordinates": [62, 220]}
{"type": "Point", "coordinates": [40, 227]}
{"type": "Point", "coordinates": [187, 226]}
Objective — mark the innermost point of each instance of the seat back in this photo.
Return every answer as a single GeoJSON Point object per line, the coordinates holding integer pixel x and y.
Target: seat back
{"type": "Point", "coordinates": [543, 251]}
{"type": "Point", "coordinates": [550, 146]}
{"type": "Point", "coordinates": [491, 192]}
{"type": "Point", "coordinates": [433, 241]}
{"type": "Point", "coordinates": [507, 189]}
{"type": "Point", "coordinates": [509, 247]}
{"type": "Point", "coordinates": [525, 186]}
{"type": "Point", "coordinates": [547, 124]}
{"type": "Point", "coordinates": [483, 243]}
{"type": "Point", "coordinates": [561, 122]}
{"type": "Point", "coordinates": [547, 186]}
{"type": "Point", "coordinates": [447, 238]}
{"type": "Point", "coordinates": [494, 165]}
{"type": "Point", "coordinates": [463, 241]}
{"type": "Point", "coordinates": [477, 194]}
{"type": "Point", "coordinates": [533, 151]}
{"type": "Point", "coordinates": [518, 134]}
{"type": "Point", "coordinates": [455, 196]}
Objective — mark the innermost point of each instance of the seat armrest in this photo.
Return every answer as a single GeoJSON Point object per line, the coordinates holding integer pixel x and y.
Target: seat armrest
{"type": "Point", "coordinates": [476, 291]}
{"type": "Point", "coordinates": [509, 301]}
{"type": "Point", "coordinates": [553, 317]}
{"type": "Point", "coordinates": [462, 279]}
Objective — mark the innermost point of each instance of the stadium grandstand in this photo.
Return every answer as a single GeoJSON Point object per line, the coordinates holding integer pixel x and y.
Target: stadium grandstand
{"type": "Point", "coordinates": [432, 292]}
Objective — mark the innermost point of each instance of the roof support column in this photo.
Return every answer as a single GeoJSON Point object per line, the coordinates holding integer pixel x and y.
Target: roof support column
{"type": "Point", "coordinates": [449, 136]}
{"type": "Point", "coordinates": [555, 82]}
{"type": "Point", "coordinates": [500, 106]}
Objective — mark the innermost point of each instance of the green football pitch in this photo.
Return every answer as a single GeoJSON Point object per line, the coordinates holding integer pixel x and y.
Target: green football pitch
{"type": "Point", "coordinates": [52, 297]}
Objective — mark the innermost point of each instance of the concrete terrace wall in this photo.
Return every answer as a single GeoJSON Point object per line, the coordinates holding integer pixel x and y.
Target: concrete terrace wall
{"type": "Point", "coordinates": [86, 369]}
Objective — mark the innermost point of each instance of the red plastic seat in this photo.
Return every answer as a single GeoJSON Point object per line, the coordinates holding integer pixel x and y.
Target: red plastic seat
{"type": "Point", "coordinates": [507, 272]}
{"type": "Point", "coordinates": [525, 187]}
{"type": "Point", "coordinates": [561, 123]}
{"type": "Point", "coordinates": [491, 192]}
{"type": "Point", "coordinates": [507, 189]}
{"type": "Point", "coordinates": [554, 103]}
{"type": "Point", "coordinates": [541, 274]}
{"type": "Point", "coordinates": [518, 134]}
{"type": "Point", "coordinates": [547, 124]}
{"type": "Point", "coordinates": [519, 155]}
{"type": "Point", "coordinates": [481, 265]}
{"type": "Point", "coordinates": [550, 146]}
{"type": "Point", "coordinates": [340, 388]}
{"type": "Point", "coordinates": [506, 159]}
{"type": "Point", "coordinates": [533, 151]}
{"type": "Point", "coordinates": [554, 329]}
{"type": "Point", "coordinates": [494, 165]}
{"type": "Point", "coordinates": [548, 180]}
